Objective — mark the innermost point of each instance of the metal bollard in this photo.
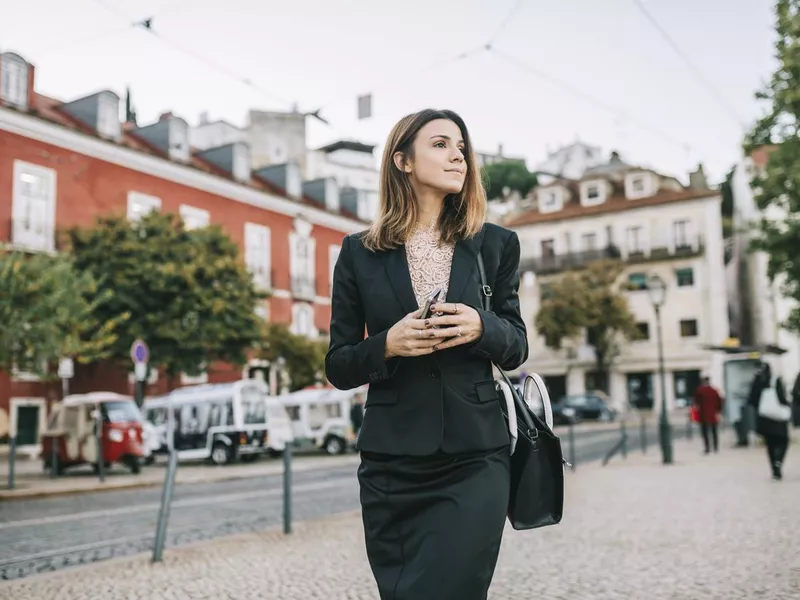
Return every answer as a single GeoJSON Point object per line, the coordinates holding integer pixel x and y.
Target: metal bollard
{"type": "Point", "coordinates": [12, 457]}
{"type": "Point", "coordinates": [101, 467]}
{"type": "Point", "coordinates": [643, 433]}
{"type": "Point", "coordinates": [624, 432]}
{"type": "Point", "coordinates": [54, 456]}
{"type": "Point", "coordinates": [572, 458]}
{"type": "Point", "coordinates": [287, 489]}
{"type": "Point", "coordinates": [166, 501]}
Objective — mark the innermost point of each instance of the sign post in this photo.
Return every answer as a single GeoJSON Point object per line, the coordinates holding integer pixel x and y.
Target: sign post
{"type": "Point", "coordinates": [139, 355]}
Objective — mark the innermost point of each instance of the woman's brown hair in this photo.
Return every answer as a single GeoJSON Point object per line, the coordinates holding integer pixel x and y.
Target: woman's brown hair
{"type": "Point", "coordinates": [463, 214]}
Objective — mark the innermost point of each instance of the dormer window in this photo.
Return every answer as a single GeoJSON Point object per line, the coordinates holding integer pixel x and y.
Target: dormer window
{"type": "Point", "coordinates": [638, 185]}
{"type": "Point", "coordinates": [593, 192]}
{"type": "Point", "coordinates": [179, 139]}
{"type": "Point", "coordinates": [550, 200]}
{"type": "Point", "coordinates": [14, 80]}
{"type": "Point", "coordinates": [108, 124]}
{"type": "Point", "coordinates": [241, 162]}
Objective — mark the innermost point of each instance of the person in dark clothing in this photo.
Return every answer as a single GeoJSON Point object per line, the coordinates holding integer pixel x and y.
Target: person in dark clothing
{"type": "Point", "coordinates": [709, 405]}
{"type": "Point", "coordinates": [357, 414]}
{"type": "Point", "coordinates": [775, 433]}
{"type": "Point", "coordinates": [796, 402]}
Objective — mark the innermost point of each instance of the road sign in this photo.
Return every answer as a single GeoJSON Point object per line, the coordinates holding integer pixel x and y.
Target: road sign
{"type": "Point", "coordinates": [66, 368]}
{"type": "Point", "coordinates": [139, 352]}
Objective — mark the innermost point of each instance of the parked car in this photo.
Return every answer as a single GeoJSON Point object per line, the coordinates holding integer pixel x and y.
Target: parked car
{"type": "Point", "coordinates": [586, 407]}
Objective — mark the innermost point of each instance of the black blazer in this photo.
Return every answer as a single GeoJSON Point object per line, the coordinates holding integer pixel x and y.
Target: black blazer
{"type": "Point", "coordinates": [445, 401]}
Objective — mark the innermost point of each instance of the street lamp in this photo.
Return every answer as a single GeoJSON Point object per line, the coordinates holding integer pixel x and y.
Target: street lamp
{"type": "Point", "coordinates": [658, 295]}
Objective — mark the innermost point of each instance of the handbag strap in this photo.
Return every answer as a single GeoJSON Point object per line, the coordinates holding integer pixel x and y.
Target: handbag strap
{"type": "Point", "coordinates": [486, 290]}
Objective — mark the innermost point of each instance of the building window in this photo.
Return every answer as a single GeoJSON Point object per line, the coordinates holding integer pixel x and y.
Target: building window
{"type": "Point", "coordinates": [303, 319]}
{"type": "Point", "coordinates": [194, 218]}
{"type": "Point", "coordinates": [681, 233]}
{"type": "Point", "coordinates": [241, 163]}
{"type": "Point", "coordinates": [257, 255]}
{"type": "Point", "coordinates": [637, 184]}
{"type": "Point", "coordinates": [643, 331]}
{"type": "Point", "coordinates": [333, 256]}
{"type": "Point", "coordinates": [689, 328]}
{"type": "Point", "coordinates": [179, 139]}
{"type": "Point", "coordinates": [302, 265]}
{"type": "Point", "coordinates": [685, 277]}
{"type": "Point", "coordinates": [550, 201]}
{"type": "Point", "coordinates": [593, 192]}
{"type": "Point", "coordinates": [141, 204]}
{"type": "Point", "coordinates": [34, 204]}
{"type": "Point", "coordinates": [637, 281]}
{"type": "Point", "coordinates": [548, 248]}
{"type": "Point", "coordinates": [635, 240]}
{"type": "Point", "coordinates": [589, 242]}
{"type": "Point", "coordinates": [14, 80]}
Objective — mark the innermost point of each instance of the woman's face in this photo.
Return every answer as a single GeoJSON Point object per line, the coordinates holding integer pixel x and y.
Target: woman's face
{"type": "Point", "coordinates": [438, 158]}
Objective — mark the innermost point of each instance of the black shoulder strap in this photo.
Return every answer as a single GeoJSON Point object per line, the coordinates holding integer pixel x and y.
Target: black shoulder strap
{"type": "Point", "coordinates": [485, 288]}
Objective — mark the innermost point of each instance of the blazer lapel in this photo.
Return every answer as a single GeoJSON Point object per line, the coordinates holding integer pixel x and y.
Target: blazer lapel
{"type": "Point", "coordinates": [400, 279]}
{"type": "Point", "coordinates": [465, 257]}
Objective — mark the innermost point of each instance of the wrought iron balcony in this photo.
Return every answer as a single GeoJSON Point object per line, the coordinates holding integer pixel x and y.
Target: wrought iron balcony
{"type": "Point", "coordinates": [555, 263]}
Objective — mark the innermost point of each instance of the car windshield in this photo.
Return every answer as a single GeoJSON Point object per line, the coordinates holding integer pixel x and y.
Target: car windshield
{"type": "Point", "coordinates": [121, 412]}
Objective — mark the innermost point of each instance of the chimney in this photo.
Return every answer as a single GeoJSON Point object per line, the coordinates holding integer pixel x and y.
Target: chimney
{"type": "Point", "coordinates": [204, 118]}
{"type": "Point", "coordinates": [324, 191]}
{"type": "Point", "coordinates": [286, 176]}
{"type": "Point", "coordinates": [697, 179]}
{"type": "Point", "coordinates": [234, 159]}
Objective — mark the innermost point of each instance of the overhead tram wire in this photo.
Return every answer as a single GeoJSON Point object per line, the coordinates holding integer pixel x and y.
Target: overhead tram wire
{"type": "Point", "coordinates": [689, 63]}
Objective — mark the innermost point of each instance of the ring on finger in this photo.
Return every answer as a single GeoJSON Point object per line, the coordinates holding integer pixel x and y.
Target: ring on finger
{"type": "Point", "coordinates": [455, 309]}
{"type": "Point", "coordinates": [458, 334]}
{"type": "Point", "coordinates": [419, 332]}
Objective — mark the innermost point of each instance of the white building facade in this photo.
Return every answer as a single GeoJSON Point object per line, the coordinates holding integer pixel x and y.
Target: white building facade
{"type": "Point", "coordinates": [655, 226]}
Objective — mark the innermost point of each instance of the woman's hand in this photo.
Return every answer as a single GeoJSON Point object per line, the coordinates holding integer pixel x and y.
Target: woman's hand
{"type": "Point", "coordinates": [460, 323]}
{"type": "Point", "coordinates": [410, 336]}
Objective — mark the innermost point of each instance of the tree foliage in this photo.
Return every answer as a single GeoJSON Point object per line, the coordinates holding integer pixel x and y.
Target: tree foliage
{"type": "Point", "coordinates": [510, 174]}
{"type": "Point", "coordinates": [48, 310]}
{"type": "Point", "coordinates": [188, 294]}
{"type": "Point", "coordinates": [305, 358]}
{"type": "Point", "coordinates": [778, 188]}
{"type": "Point", "coordinates": [588, 300]}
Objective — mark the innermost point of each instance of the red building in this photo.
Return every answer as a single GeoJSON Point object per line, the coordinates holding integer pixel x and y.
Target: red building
{"type": "Point", "coordinates": [64, 163]}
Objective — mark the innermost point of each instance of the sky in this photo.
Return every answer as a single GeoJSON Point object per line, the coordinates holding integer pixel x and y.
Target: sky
{"type": "Point", "coordinates": [558, 71]}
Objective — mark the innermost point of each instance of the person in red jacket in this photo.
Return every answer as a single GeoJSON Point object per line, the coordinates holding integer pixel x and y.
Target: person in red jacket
{"type": "Point", "coordinates": [709, 405]}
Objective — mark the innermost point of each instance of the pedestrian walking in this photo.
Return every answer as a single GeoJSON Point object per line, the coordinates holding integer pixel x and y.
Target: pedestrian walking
{"type": "Point", "coordinates": [709, 406]}
{"type": "Point", "coordinates": [435, 466]}
{"type": "Point", "coordinates": [774, 414]}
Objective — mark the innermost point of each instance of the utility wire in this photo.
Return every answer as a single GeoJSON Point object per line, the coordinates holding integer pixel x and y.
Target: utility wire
{"type": "Point", "coordinates": [504, 23]}
{"type": "Point", "coordinates": [699, 74]}
{"type": "Point", "coordinates": [615, 110]}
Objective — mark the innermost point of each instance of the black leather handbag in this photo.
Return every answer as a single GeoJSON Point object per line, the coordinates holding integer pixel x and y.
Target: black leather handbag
{"type": "Point", "coordinates": [537, 464]}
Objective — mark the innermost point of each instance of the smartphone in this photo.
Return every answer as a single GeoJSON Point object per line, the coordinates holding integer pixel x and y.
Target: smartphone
{"type": "Point", "coordinates": [432, 299]}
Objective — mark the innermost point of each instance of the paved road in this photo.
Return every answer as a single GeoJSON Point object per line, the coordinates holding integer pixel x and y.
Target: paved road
{"type": "Point", "coordinates": [48, 534]}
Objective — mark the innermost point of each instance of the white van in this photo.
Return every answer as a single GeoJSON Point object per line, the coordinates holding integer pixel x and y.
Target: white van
{"type": "Point", "coordinates": [221, 422]}
{"type": "Point", "coordinates": [321, 417]}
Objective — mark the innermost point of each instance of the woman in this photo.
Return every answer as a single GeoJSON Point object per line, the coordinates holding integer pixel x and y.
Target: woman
{"type": "Point", "coordinates": [434, 473]}
{"type": "Point", "coordinates": [775, 433]}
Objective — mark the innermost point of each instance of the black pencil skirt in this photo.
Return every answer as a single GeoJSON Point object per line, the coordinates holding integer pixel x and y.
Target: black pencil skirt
{"type": "Point", "coordinates": [433, 524]}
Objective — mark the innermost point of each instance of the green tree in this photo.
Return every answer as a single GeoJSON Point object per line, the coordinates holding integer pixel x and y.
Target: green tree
{"type": "Point", "coordinates": [47, 311]}
{"type": "Point", "coordinates": [305, 358]}
{"type": "Point", "coordinates": [188, 294]}
{"type": "Point", "coordinates": [779, 186]}
{"type": "Point", "coordinates": [588, 300]}
{"type": "Point", "coordinates": [510, 174]}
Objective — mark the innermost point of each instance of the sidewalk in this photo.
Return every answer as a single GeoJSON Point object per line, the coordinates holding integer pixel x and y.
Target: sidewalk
{"type": "Point", "coordinates": [31, 481]}
{"type": "Point", "coordinates": [708, 527]}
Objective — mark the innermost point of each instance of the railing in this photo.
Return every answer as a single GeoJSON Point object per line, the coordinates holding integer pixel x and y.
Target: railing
{"type": "Point", "coordinates": [694, 247]}
{"type": "Point", "coordinates": [304, 287]}
{"type": "Point", "coordinates": [570, 260]}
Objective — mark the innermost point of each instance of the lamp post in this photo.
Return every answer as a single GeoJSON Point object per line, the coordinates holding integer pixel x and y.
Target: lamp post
{"type": "Point", "coordinates": [658, 294]}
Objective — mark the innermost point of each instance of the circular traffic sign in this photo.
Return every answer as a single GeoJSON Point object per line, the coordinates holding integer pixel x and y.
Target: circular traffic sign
{"type": "Point", "coordinates": [139, 351]}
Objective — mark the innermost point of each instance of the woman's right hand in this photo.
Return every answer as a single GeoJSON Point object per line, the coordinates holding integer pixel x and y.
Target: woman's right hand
{"type": "Point", "coordinates": [410, 337]}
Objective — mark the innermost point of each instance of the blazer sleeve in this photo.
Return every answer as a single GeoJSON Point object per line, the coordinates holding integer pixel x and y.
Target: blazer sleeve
{"type": "Point", "coordinates": [352, 360]}
{"type": "Point", "coordinates": [504, 340]}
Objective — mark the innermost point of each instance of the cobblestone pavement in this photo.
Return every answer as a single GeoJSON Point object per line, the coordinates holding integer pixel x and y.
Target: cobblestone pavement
{"type": "Point", "coordinates": [709, 527]}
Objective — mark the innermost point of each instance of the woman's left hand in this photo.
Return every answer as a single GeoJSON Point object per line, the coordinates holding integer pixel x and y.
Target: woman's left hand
{"type": "Point", "coordinates": [460, 323]}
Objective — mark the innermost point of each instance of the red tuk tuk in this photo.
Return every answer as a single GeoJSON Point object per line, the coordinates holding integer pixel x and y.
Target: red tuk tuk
{"type": "Point", "coordinates": [72, 427]}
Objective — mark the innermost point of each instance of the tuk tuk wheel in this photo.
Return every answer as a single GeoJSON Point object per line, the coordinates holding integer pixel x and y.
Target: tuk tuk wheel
{"type": "Point", "coordinates": [334, 445]}
{"type": "Point", "coordinates": [220, 454]}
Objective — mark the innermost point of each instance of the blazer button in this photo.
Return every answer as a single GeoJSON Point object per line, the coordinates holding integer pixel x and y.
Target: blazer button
{"type": "Point", "coordinates": [434, 374]}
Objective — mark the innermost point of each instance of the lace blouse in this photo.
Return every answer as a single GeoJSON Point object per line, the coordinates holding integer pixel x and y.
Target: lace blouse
{"type": "Point", "coordinates": [428, 263]}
